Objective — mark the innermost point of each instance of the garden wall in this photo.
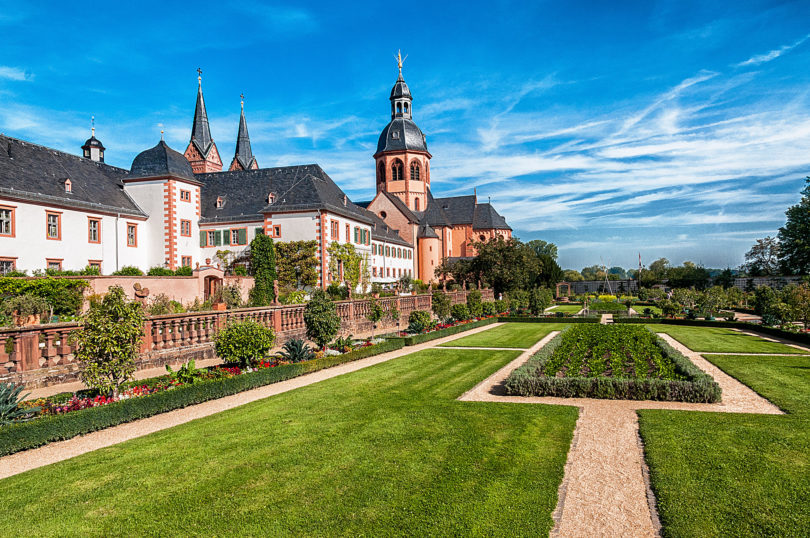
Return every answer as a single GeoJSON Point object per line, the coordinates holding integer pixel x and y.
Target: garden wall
{"type": "Point", "coordinates": [41, 355]}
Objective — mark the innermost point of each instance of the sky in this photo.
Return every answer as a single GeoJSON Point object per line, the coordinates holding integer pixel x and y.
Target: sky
{"type": "Point", "coordinates": [662, 128]}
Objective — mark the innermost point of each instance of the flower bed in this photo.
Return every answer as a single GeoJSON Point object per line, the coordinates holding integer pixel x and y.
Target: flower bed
{"type": "Point", "coordinates": [614, 362]}
{"type": "Point", "coordinates": [606, 307]}
{"type": "Point", "coordinates": [60, 426]}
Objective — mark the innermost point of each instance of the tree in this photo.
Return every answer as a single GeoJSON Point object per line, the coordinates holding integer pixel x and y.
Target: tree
{"type": "Point", "coordinates": [572, 275]}
{"type": "Point", "coordinates": [108, 341]}
{"type": "Point", "coordinates": [725, 278]}
{"type": "Point", "coordinates": [593, 272]}
{"type": "Point", "coordinates": [550, 272]}
{"type": "Point", "coordinates": [798, 300]}
{"type": "Point", "coordinates": [541, 248]}
{"type": "Point", "coordinates": [297, 264]}
{"type": "Point", "coordinates": [474, 303]}
{"type": "Point", "coordinates": [321, 318]}
{"type": "Point", "coordinates": [763, 258]}
{"type": "Point", "coordinates": [375, 314]}
{"type": "Point", "coordinates": [539, 300]}
{"type": "Point", "coordinates": [659, 269]}
{"type": "Point", "coordinates": [263, 270]}
{"type": "Point", "coordinates": [794, 236]}
{"type": "Point", "coordinates": [506, 264]}
{"type": "Point", "coordinates": [441, 305]}
{"type": "Point", "coordinates": [688, 275]}
{"type": "Point", "coordinates": [618, 271]}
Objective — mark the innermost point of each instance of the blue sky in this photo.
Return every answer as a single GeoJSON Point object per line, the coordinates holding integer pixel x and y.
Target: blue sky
{"type": "Point", "coordinates": [675, 129]}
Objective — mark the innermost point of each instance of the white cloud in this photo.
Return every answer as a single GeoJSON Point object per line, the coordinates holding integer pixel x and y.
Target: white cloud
{"type": "Point", "coordinates": [773, 54]}
{"type": "Point", "coordinates": [14, 73]}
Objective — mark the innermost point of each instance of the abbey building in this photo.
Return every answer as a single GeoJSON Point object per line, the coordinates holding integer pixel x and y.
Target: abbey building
{"type": "Point", "coordinates": [64, 211]}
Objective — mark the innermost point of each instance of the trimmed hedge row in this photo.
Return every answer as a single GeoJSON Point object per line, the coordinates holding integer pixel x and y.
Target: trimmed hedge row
{"type": "Point", "coordinates": [801, 338]}
{"type": "Point", "coordinates": [528, 380]}
{"type": "Point", "coordinates": [449, 331]}
{"type": "Point", "coordinates": [548, 319]}
{"type": "Point", "coordinates": [41, 431]}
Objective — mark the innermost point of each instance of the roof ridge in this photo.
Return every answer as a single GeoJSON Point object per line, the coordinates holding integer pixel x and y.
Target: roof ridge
{"type": "Point", "coordinates": [79, 158]}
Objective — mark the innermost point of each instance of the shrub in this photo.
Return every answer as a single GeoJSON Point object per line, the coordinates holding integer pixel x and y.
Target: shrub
{"type": "Point", "coordinates": [296, 350]}
{"type": "Point", "coordinates": [539, 300]}
{"type": "Point", "coordinates": [419, 321]}
{"type": "Point", "coordinates": [64, 295]}
{"type": "Point", "coordinates": [321, 318]}
{"type": "Point", "coordinates": [342, 344]}
{"type": "Point", "coordinates": [375, 314]}
{"type": "Point", "coordinates": [128, 270]}
{"type": "Point", "coordinates": [244, 342]}
{"type": "Point", "coordinates": [294, 297]}
{"type": "Point", "coordinates": [10, 399]}
{"type": "Point", "coordinates": [240, 270]}
{"type": "Point", "coordinates": [185, 270]}
{"type": "Point", "coordinates": [337, 292]}
{"type": "Point", "coordinates": [518, 299]}
{"type": "Point", "coordinates": [187, 374]}
{"type": "Point", "coordinates": [26, 305]}
{"type": "Point", "coordinates": [460, 312]}
{"type": "Point", "coordinates": [501, 306]}
{"type": "Point", "coordinates": [441, 305]}
{"type": "Point", "coordinates": [474, 303]}
{"type": "Point", "coordinates": [159, 271]}
{"type": "Point", "coordinates": [263, 269]}
{"type": "Point", "coordinates": [489, 309]}
{"type": "Point", "coordinates": [161, 305]}
{"type": "Point", "coordinates": [108, 341]}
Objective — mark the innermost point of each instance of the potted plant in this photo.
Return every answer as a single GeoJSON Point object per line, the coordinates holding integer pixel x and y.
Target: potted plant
{"type": "Point", "coordinates": [27, 309]}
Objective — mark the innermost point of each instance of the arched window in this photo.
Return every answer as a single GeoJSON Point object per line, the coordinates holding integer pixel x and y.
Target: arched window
{"type": "Point", "coordinates": [382, 172]}
{"type": "Point", "coordinates": [399, 111]}
{"type": "Point", "coordinates": [415, 171]}
{"type": "Point", "coordinates": [406, 108]}
{"type": "Point", "coordinates": [416, 204]}
{"type": "Point", "coordinates": [396, 170]}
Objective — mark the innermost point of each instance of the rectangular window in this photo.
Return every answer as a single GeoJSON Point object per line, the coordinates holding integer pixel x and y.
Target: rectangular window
{"type": "Point", "coordinates": [132, 234]}
{"type": "Point", "coordinates": [94, 264]}
{"type": "Point", "coordinates": [387, 250]}
{"type": "Point", "coordinates": [234, 237]}
{"type": "Point", "coordinates": [373, 271]}
{"type": "Point", "coordinates": [6, 221]}
{"type": "Point", "coordinates": [335, 231]}
{"type": "Point", "coordinates": [387, 271]}
{"type": "Point", "coordinates": [185, 261]}
{"type": "Point", "coordinates": [54, 225]}
{"type": "Point", "coordinates": [347, 233]}
{"type": "Point", "coordinates": [374, 248]}
{"type": "Point", "coordinates": [7, 265]}
{"type": "Point", "coordinates": [185, 196]}
{"type": "Point", "coordinates": [277, 231]}
{"type": "Point", "coordinates": [185, 228]}
{"type": "Point", "coordinates": [93, 230]}
{"type": "Point", "coordinates": [356, 234]}
{"type": "Point", "coordinates": [209, 242]}
{"type": "Point", "coordinates": [53, 264]}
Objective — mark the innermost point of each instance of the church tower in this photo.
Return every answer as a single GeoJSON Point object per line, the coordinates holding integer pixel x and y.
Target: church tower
{"type": "Point", "coordinates": [202, 151]}
{"type": "Point", "coordinates": [243, 159]}
{"type": "Point", "coordinates": [402, 158]}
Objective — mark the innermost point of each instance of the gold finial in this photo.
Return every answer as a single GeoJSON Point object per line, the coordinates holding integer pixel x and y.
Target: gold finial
{"type": "Point", "coordinates": [400, 59]}
{"type": "Point", "coordinates": [161, 134]}
{"type": "Point", "coordinates": [199, 76]}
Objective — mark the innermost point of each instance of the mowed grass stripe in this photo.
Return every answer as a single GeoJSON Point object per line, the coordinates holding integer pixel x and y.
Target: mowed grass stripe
{"type": "Point", "coordinates": [509, 335]}
{"type": "Point", "coordinates": [383, 451]}
{"type": "Point", "coordinates": [724, 474]}
{"type": "Point", "coordinates": [721, 340]}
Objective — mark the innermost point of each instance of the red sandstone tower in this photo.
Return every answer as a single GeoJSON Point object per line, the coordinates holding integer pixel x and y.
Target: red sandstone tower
{"type": "Point", "coordinates": [201, 151]}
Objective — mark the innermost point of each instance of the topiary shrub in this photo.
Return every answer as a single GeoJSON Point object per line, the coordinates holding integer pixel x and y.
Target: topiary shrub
{"type": "Point", "coordinates": [244, 342]}
{"type": "Point", "coordinates": [159, 271]}
{"type": "Point", "coordinates": [263, 269]}
{"type": "Point", "coordinates": [474, 304]}
{"type": "Point", "coordinates": [441, 305]}
{"type": "Point", "coordinates": [323, 322]}
{"type": "Point", "coordinates": [108, 341]}
{"type": "Point", "coordinates": [419, 321]}
{"type": "Point", "coordinates": [489, 309]}
{"type": "Point", "coordinates": [460, 312]}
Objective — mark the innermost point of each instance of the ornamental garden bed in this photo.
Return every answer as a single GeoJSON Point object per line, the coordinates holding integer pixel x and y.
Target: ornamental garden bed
{"type": "Point", "coordinates": [606, 307]}
{"type": "Point", "coordinates": [446, 329]}
{"type": "Point", "coordinates": [68, 415]}
{"type": "Point", "coordinates": [623, 362]}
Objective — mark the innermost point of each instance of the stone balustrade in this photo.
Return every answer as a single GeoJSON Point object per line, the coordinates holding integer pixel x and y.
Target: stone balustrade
{"type": "Point", "coordinates": [42, 355]}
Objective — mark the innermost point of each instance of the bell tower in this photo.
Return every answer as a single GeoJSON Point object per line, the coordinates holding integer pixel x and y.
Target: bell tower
{"type": "Point", "coordinates": [402, 159]}
{"type": "Point", "coordinates": [202, 151]}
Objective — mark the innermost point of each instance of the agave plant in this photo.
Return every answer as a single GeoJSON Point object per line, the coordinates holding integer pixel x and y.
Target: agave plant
{"type": "Point", "coordinates": [296, 350]}
{"type": "Point", "coordinates": [10, 399]}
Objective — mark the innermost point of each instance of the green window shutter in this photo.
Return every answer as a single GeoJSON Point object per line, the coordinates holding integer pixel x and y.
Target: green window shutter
{"type": "Point", "coordinates": [218, 238]}
{"type": "Point", "coordinates": [202, 238]}
{"type": "Point", "coordinates": [355, 234]}
{"type": "Point", "coordinates": [259, 231]}
{"type": "Point", "coordinates": [243, 236]}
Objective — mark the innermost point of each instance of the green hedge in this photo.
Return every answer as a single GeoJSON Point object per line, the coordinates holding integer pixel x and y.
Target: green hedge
{"type": "Point", "coordinates": [800, 338]}
{"type": "Point", "coordinates": [25, 435]}
{"type": "Point", "coordinates": [64, 295]}
{"type": "Point", "coordinates": [450, 331]}
{"type": "Point", "coordinates": [546, 319]}
{"type": "Point", "coordinates": [529, 381]}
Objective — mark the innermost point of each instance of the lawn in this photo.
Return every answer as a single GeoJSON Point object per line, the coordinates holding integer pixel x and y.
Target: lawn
{"type": "Point", "coordinates": [653, 309]}
{"type": "Point", "coordinates": [569, 308]}
{"type": "Point", "coordinates": [515, 335]}
{"type": "Point", "coordinates": [386, 450]}
{"type": "Point", "coordinates": [723, 474]}
{"type": "Point", "coordinates": [720, 340]}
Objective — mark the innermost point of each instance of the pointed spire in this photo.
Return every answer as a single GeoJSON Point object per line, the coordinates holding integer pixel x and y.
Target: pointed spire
{"type": "Point", "coordinates": [200, 131]}
{"type": "Point", "coordinates": [243, 158]}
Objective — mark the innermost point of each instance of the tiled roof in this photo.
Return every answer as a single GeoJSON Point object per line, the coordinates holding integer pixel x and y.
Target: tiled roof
{"type": "Point", "coordinates": [36, 173]}
{"type": "Point", "coordinates": [160, 160]}
{"type": "Point", "coordinates": [294, 188]}
{"type": "Point", "coordinates": [434, 214]}
{"type": "Point", "coordinates": [486, 218]}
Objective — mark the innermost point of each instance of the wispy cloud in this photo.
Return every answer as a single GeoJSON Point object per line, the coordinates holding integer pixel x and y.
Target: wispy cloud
{"type": "Point", "coordinates": [14, 73]}
{"type": "Point", "coordinates": [774, 54]}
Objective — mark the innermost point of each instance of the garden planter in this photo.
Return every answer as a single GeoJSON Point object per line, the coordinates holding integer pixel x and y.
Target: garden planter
{"type": "Point", "coordinates": [219, 307]}
{"type": "Point", "coordinates": [24, 320]}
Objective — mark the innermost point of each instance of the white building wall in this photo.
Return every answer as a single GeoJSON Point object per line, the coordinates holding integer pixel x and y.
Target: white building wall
{"type": "Point", "coordinates": [187, 210]}
{"type": "Point", "coordinates": [31, 247]}
{"type": "Point", "coordinates": [398, 266]}
{"type": "Point", "coordinates": [150, 198]}
{"type": "Point", "coordinates": [210, 252]}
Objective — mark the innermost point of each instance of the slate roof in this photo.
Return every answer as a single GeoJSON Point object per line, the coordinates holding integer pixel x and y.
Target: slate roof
{"type": "Point", "coordinates": [93, 142]}
{"type": "Point", "coordinates": [200, 130]}
{"type": "Point", "coordinates": [296, 188]}
{"type": "Point", "coordinates": [160, 160]}
{"type": "Point", "coordinates": [486, 218]}
{"type": "Point", "coordinates": [244, 155]}
{"type": "Point", "coordinates": [434, 215]}
{"type": "Point", "coordinates": [36, 173]}
{"type": "Point", "coordinates": [426, 231]}
{"type": "Point", "coordinates": [400, 89]}
{"type": "Point", "coordinates": [401, 134]}
{"type": "Point", "coordinates": [398, 203]}
{"type": "Point", "coordinates": [458, 209]}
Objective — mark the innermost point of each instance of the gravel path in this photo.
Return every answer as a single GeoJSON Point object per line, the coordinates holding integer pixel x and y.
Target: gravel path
{"type": "Point", "coordinates": [605, 490]}
{"type": "Point", "coordinates": [62, 450]}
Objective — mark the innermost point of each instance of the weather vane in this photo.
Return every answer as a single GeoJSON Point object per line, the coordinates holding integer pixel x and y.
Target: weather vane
{"type": "Point", "coordinates": [400, 59]}
{"type": "Point", "coordinates": [199, 75]}
{"type": "Point", "coordinates": [93, 125]}
{"type": "Point", "coordinates": [242, 97]}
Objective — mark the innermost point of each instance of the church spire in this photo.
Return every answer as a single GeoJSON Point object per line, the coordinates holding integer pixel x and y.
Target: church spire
{"type": "Point", "coordinates": [202, 151]}
{"type": "Point", "coordinates": [243, 159]}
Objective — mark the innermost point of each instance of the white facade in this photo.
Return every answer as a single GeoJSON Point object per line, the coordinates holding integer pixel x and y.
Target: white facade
{"type": "Point", "coordinates": [391, 261]}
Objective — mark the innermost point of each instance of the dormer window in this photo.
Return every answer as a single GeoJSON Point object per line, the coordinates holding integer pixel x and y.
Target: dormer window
{"type": "Point", "coordinates": [395, 135]}
{"type": "Point", "coordinates": [68, 186]}
{"type": "Point", "coordinates": [271, 198]}
{"type": "Point", "coordinates": [220, 202]}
